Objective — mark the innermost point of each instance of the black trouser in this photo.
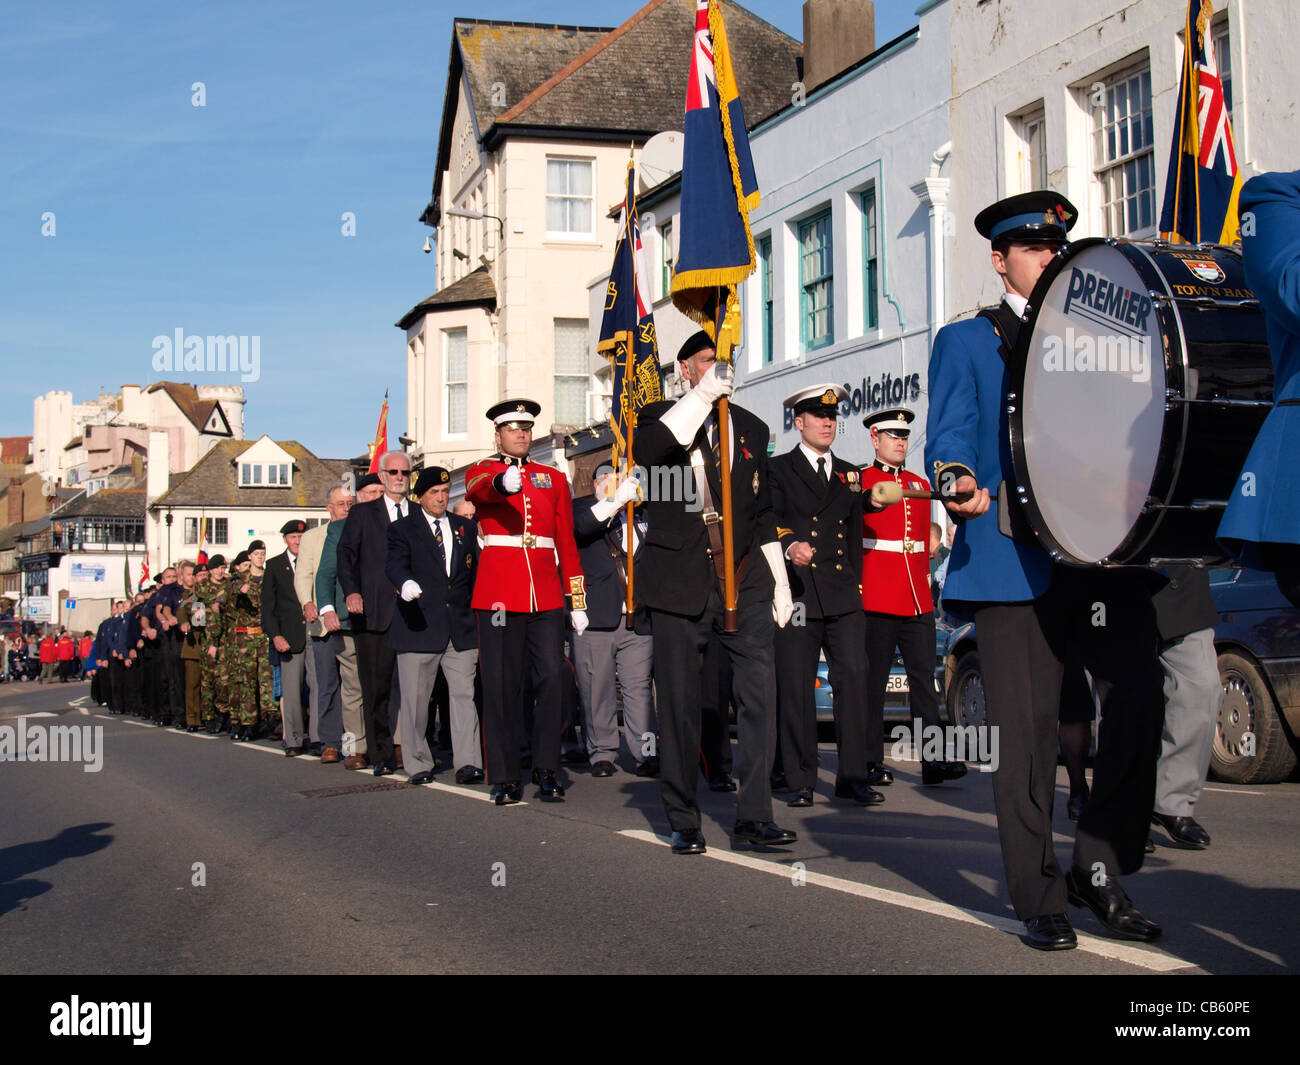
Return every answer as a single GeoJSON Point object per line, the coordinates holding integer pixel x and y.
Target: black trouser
{"type": "Point", "coordinates": [915, 639]}
{"type": "Point", "coordinates": [680, 643]}
{"type": "Point", "coordinates": [173, 677]}
{"type": "Point", "coordinates": [97, 686]}
{"type": "Point", "coordinates": [1023, 648]}
{"type": "Point", "coordinates": [527, 641]}
{"type": "Point", "coordinates": [153, 685]}
{"type": "Point", "coordinates": [133, 687]}
{"type": "Point", "coordinates": [798, 649]}
{"type": "Point", "coordinates": [117, 686]}
{"type": "Point", "coordinates": [375, 664]}
{"type": "Point", "coordinates": [715, 712]}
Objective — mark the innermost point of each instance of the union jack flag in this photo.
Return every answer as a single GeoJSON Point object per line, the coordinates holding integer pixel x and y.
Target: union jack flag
{"type": "Point", "coordinates": [1204, 183]}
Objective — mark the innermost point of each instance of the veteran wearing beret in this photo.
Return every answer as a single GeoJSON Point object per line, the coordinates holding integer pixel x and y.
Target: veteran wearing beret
{"type": "Point", "coordinates": [283, 625]}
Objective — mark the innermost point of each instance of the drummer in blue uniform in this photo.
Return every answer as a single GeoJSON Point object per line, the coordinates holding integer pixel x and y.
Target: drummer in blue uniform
{"type": "Point", "coordinates": [1026, 613]}
{"type": "Point", "coordinates": [1264, 510]}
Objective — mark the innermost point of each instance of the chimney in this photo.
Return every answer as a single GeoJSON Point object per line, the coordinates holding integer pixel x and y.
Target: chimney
{"type": "Point", "coordinates": [836, 34]}
{"type": "Point", "coordinates": [159, 466]}
{"type": "Point", "coordinates": [15, 500]}
{"type": "Point", "coordinates": [137, 466]}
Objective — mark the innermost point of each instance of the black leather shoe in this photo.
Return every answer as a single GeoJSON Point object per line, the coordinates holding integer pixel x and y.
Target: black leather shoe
{"type": "Point", "coordinates": [762, 834]}
{"type": "Point", "coordinates": [1050, 931]}
{"type": "Point", "coordinates": [423, 778]}
{"type": "Point", "coordinates": [1150, 848]}
{"type": "Point", "coordinates": [602, 769]}
{"type": "Point", "coordinates": [550, 789]}
{"type": "Point", "coordinates": [779, 783]}
{"type": "Point", "coordinates": [292, 752]}
{"type": "Point", "coordinates": [689, 842]}
{"type": "Point", "coordinates": [191, 728]}
{"type": "Point", "coordinates": [574, 757]}
{"type": "Point", "coordinates": [648, 768]}
{"type": "Point", "coordinates": [1074, 808]}
{"type": "Point", "coordinates": [1184, 831]}
{"type": "Point", "coordinates": [1113, 907]}
{"type": "Point", "coordinates": [879, 777]}
{"type": "Point", "coordinates": [504, 794]}
{"type": "Point", "coordinates": [316, 748]}
{"type": "Point", "coordinates": [246, 734]}
{"type": "Point", "coordinates": [214, 725]}
{"type": "Point", "coordinates": [722, 782]}
{"type": "Point", "coordinates": [938, 772]}
{"type": "Point", "coordinates": [383, 769]}
{"type": "Point", "coordinates": [860, 793]}
{"type": "Point", "coordinates": [802, 797]}
{"type": "Point", "coordinates": [469, 774]}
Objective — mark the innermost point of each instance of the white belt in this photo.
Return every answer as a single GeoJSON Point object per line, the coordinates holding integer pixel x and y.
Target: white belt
{"type": "Point", "coordinates": [518, 541]}
{"type": "Point", "coordinates": [913, 547]}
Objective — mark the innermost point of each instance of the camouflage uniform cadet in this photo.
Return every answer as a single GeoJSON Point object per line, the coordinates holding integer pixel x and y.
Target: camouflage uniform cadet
{"type": "Point", "coordinates": [187, 612]}
{"type": "Point", "coordinates": [212, 593]}
{"type": "Point", "coordinates": [245, 658]}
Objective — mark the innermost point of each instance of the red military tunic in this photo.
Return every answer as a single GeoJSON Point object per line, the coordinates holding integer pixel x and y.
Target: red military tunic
{"type": "Point", "coordinates": [523, 576]}
{"type": "Point", "coordinates": [896, 547]}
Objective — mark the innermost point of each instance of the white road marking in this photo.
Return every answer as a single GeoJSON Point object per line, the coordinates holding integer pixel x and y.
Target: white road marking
{"type": "Point", "coordinates": [1228, 937]}
{"type": "Point", "coordinates": [1146, 958]}
{"type": "Point", "coordinates": [79, 700]}
{"type": "Point", "coordinates": [1234, 791]}
{"type": "Point", "coordinates": [40, 713]}
{"type": "Point", "coordinates": [107, 717]}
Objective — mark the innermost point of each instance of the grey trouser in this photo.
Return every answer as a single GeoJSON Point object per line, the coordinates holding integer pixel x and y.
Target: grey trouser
{"type": "Point", "coordinates": [312, 688]}
{"type": "Point", "coordinates": [291, 667]}
{"type": "Point", "coordinates": [418, 671]}
{"type": "Point", "coordinates": [1192, 696]}
{"type": "Point", "coordinates": [326, 698]}
{"type": "Point", "coordinates": [597, 656]}
{"type": "Point", "coordinates": [343, 646]}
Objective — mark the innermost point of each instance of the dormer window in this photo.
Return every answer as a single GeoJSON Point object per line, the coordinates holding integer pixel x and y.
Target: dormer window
{"type": "Point", "coordinates": [265, 475]}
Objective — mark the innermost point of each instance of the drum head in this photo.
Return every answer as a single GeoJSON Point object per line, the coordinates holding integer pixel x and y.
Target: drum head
{"type": "Point", "coordinates": [1092, 409]}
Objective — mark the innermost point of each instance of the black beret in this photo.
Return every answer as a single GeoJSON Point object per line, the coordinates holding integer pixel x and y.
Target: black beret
{"type": "Point", "coordinates": [216, 560]}
{"type": "Point", "coordinates": [431, 477]}
{"type": "Point", "coordinates": [366, 480]}
{"type": "Point", "coordinates": [256, 545]}
{"type": "Point", "coordinates": [293, 525]}
{"type": "Point", "coordinates": [241, 557]}
{"type": "Point", "coordinates": [695, 343]}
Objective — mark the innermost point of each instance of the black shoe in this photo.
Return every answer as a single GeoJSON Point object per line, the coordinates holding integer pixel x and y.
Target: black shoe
{"type": "Point", "coordinates": [574, 758]}
{"type": "Point", "coordinates": [879, 777]}
{"type": "Point", "coordinates": [721, 782]}
{"type": "Point", "coordinates": [292, 752]}
{"type": "Point", "coordinates": [1078, 800]}
{"type": "Point", "coordinates": [1150, 847]}
{"type": "Point", "coordinates": [1113, 907]}
{"type": "Point", "coordinates": [316, 748]}
{"type": "Point", "coordinates": [383, 769]}
{"type": "Point", "coordinates": [504, 794]}
{"type": "Point", "coordinates": [779, 783]}
{"type": "Point", "coordinates": [690, 841]}
{"type": "Point", "coordinates": [602, 769]}
{"type": "Point", "coordinates": [938, 772]}
{"type": "Point", "coordinates": [422, 778]}
{"type": "Point", "coordinates": [860, 793]}
{"type": "Point", "coordinates": [648, 768]}
{"type": "Point", "coordinates": [1184, 831]}
{"type": "Point", "coordinates": [191, 728]}
{"type": "Point", "coordinates": [469, 774]}
{"type": "Point", "coordinates": [762, 834]}
{"type": "Point", "coordinates": [802, 797]}
{"type": "Point", "coordinates": [1050, 931]}
{"type": "Point", "coordinates": [550, 789]}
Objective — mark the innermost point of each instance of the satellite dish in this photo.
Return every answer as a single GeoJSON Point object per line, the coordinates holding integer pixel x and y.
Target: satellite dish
{"type": "Point", "coordinates": [661, 158]}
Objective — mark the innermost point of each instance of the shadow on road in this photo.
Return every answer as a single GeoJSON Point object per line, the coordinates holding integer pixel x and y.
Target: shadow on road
{"type": "Point", "coordinates": [18, 861]}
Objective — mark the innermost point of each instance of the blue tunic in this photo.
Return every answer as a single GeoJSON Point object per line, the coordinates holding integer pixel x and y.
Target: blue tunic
{"type": "Point", "coordinates": [1265, 507]}
{"type": "Point", "coordinates": [967, 424]}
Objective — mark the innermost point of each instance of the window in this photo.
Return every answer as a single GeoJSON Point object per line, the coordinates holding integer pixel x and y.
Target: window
{"type": "Point", "coordinates": [667, 257]}
{"type": "Point", "coordinates": [870, 261]}
{"type": "Point", "coordinates": [1123, 154]}
{"type": "Point", "coordinates": [191, 530]}
{"type": "Point", "coordinates": [265, 475]}
{"type": "Point", "coordinates": [278, 474]}
{"type": "Point", "coordinates": [1223, 60]}
{"type": "Point", "coordinates": [1032, 128]}
{"type": "Point", "coordinates": [216, 532]}
{"type": "Point", "coordinates": [765, 268]}
{"type": "Point", "coordinates": [455, 371]}
{"type": "Point", "coordinates": [570, 371]}
{"type": "Point", "coordinates": [569, 200]}
{"type": "Point", "coordinates": [250, 474]}
{"type": "Point", "coordinates": [815, 279]}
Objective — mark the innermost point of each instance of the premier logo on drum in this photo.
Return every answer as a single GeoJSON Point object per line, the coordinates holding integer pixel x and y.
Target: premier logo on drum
{"type": "Point", "coordinates": [1083, 352]}
{"type": "Point", "coordinates": [1103, 299]}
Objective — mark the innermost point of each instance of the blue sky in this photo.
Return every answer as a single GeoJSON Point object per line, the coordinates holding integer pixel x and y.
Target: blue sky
{"type": "Point", "coordinates": [226, 219]}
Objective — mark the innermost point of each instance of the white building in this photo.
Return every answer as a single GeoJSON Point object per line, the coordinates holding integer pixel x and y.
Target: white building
{"type": "Point", "coordinates": [1039, 86]}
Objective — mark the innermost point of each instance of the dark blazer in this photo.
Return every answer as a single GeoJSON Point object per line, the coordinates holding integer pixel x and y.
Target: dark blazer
{"type": "Point", "coordinates": [281, 611]}
{"type": "Point", "coordinates": [605, 595]}
{"type": "Point", "coordinates": [363, 550]}
{"type": "Point", "coordinates": [830, 519]}
{"type": "Point", "coordinates": [442, 613]}
{"type": "Point", "coordinates": [675, 570]}
{"type": "Point", "coordinates": [1184, 605]}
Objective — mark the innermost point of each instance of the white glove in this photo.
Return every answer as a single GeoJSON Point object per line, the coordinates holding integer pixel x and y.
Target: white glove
{"type": "Point", "coordinates": [411, 590]}
{"type": "Point", "coordinates": [629, 490]}
{"type": "Point", "coordinates": [685, 416]}
{"type": "Point", "coordinates": [512, 481]}
{"type": "Point", "coordinates": [578, 618]}
{"type": "Point", "coordinates": [782, 603]}
{"type": "Point", "coordinates": [716, 382]}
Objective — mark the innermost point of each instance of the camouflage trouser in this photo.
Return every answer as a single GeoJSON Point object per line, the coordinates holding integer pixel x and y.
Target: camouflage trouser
{"type": "Point", "coordinates": [212, 693]}
{"type": "Point", "coordinates": [246, 666]}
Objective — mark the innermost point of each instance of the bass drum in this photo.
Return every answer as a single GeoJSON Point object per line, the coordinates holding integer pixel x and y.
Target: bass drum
{"type": "Point", "coordinates": [1137, 387]}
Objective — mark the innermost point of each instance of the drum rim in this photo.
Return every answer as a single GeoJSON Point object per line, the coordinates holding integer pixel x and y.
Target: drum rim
{"type": "Point", "coordinates": [1148, 521]}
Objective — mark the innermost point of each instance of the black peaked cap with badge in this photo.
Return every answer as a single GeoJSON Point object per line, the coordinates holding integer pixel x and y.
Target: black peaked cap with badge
{"type": "Point", "coordinates": [893, 418]}
{"type": "Point", "coordinates": [514, 410]}
{"type": "Point", "coordinates": [1030, 216]}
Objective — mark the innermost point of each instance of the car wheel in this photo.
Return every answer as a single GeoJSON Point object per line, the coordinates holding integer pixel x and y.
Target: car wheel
{"type": "Point", "coordinates": [1250, 745]}
{"type": "Point", "coordinates": [965, 700]}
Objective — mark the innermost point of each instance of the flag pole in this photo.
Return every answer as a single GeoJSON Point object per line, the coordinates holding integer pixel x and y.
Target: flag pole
{"type": "Point", "coordinates": [628, 621]}
{"type": "Point", "coordinates": [722, 348]}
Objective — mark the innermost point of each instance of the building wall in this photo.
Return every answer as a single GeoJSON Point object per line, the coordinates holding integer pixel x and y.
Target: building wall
{"type": "Point", "coordinates": [425, 377]}
{"type": "Point", "coordinates": [1006, 62]}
